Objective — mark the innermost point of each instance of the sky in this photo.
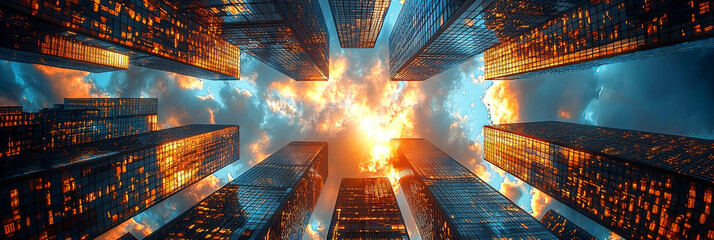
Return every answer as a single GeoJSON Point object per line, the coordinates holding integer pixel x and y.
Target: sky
{"type": "Point", "coordinates": [358, 110]}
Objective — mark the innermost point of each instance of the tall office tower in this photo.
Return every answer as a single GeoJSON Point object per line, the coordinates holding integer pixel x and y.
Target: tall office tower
{"type": "Point", "coordinates": [640, 185]}
{"type": "Point", "coordinates": [602, 32]}
{"type": "Point", "coordinates": [450, 202]}
{"type": "Point", "coordinates": [81, 191]}
{"type": "Point", "coordinates": [366, 208]}
{"type": "Point", "coordinates": [564, 228]}
{"type": "Point", "coordinates": [101, 36]}
{"type": "Point", "coordinates": [431, 36]}
{"type": "Point", "coordinates": [272, 200]}
{"type": "Point", "coordinates": [78, 120]}
{"type": "Point", "coordinates": [358, 23]}
{"type": "Point", "coordinates": [289, 35]}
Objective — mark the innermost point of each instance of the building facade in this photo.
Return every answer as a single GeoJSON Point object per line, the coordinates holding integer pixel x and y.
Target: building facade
{"type": "Point", "coordinates": [358, 23]}
{"type": "Point", "coordinates": [450, 202]}
{"type": "Point", "coordinates": [288, 35]}
{"type": "Point", "coordinates": [366, 208]}
{"type": "Point", "coordinates": [563, 228]}
{"type": "Point", "coordinates": [78, 120]}
{"type": "Point", "coordinates": [640, 185]}
{"type": "Point", "coordinates": [602, 32]}
{"type": "Point", "coordinates": [101, 36]}
{"type": "Point", "coordinates": [272, 200]}
{"type": "Point", "coordinates": [431, 36]}
{"type": "Point", "coordinates": [81, 191]}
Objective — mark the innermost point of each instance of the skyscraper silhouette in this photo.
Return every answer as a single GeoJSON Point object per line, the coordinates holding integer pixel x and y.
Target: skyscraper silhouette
{"type": "Point", "coordinates": [272, 200]}
{"type": "Point", "coordinates": [83, 190]}
{"type": "Point", "coordinates": [358, 23]}
{"type": "Point", "coordinates": [450, 202]}
{"type": "Point", "coordinates": [640, 185]}
{"type": "Point", "coordinates": [366, 208]}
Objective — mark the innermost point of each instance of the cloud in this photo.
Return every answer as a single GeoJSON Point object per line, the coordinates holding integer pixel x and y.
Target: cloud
{"type": "Point", "coordinates": [514, 190]}
{"type": "Point", "coordinates": [315, 231]}
{"type": "Point", "coordinates": [540, 203]}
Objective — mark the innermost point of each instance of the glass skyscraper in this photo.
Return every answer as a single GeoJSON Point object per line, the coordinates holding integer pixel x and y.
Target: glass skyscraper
{"type": "Point", "coordinates": [450, 202]}
{"type": "Point", "coordinates": [272, 200]}
{"type": "Point", "coordinates": [366, 208]}
{"type": "Point", "coordinates": [359, 22]}
{"type": "Point", "coordinates": [78, 120]}
{"type": "Point", "coordinates": [289, 35]}
{"type": "Point", "coordinates": [83, 190]}
{"type": "Point", "coordinates": [431, 36]}
{"type": "Point", "coordinates": [564, 228]}
{"type": "Point", "coordinates": [640, 185]}
{"type": "Point", "coordinates": [600, 32]}
{"type": "Point", "coordinates": [108, 35]}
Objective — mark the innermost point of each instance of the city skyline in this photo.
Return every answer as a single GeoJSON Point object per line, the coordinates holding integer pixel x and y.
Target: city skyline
{"type": "Point", "coordinates": [359, 110]}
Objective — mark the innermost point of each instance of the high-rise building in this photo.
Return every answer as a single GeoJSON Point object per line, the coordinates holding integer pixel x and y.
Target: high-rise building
{"type": "Point", "coordinates": [640, 185]}
{"type": "Point", "coordinates": [450, 202]}
{"type": "Point", "coordinates": [358, 23]}
{"type": "Point", "coordinates": [366, 208]}
{"type": "Point", "coordinates": [288, 35]}
{"type": "Point", "coordinates": [78, 120]}
{"type": "Point", "coordinates": [109, 35]}
{"type": "Point", "coordinates": [431, 36]}
{"type": "Point", "coordinates": [563, 228]}
{"type": "Point", "coordinates": [272, 200]}
{"type": "Point", "coordinates": [127, 236]}
{"type": "Point", "coordinates": [81, 191]}
{"type": "Point", "coordinates": [601, 32]}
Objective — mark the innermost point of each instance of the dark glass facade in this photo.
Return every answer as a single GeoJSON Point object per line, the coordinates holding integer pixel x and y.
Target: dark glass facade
{"type": "Point", "coordinates": [431, 36]}
{"type": "Point", "coordinates": [127, 236]}
{"type": "Point", "coordinates": [289, 35]}
{"type": "Point", "coordinates": [78, 120]}
{"type": "Point", "coordinates": [601, 32]}
{"type": "Point", "coordinates": [450, 202]}
{"type": "Point", "coordinates": [564, 228]}
{"type": "Point", "coordinates": [80, 191]}
{"type": "Point", "coordinates": [272, 200]}
{"type": "Point", "coordinates": [640, 185]}
{"type": "Point", "coordinates": [108, 35]}
{"type": "Point", "coordinates": [366, 208]}
{"type": "Point", "coordinates": [359, 22]}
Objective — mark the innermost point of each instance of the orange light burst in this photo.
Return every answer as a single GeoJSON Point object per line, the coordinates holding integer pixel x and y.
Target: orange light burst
{"type": "Point", "coordinates": [380, 109]}
{"type": "Point", "coordinates": [502, 103]}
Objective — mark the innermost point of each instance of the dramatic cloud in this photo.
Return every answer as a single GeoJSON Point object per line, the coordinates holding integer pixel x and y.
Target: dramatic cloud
{"type": "Point", "coordinates": [512, 189]}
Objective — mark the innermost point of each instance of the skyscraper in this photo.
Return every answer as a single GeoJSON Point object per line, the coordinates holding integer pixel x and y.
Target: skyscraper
{"type": "Point", "coordinates": [289, 35]}
{"type": "Point", "coordinates": [272, 200]}
{"type": "Point", "coordinates": [366, 208]}
{"type": "Point", "coordinates": [358, 23]}
{"type": "Point", "coordinates": [640, 185]}
{"type": "Point", "coordinates": [450, 202]}
{"type": "Point", "coordinates": [564, 228]}
{"type": "Point", "coordinates": [83, 190]}
{"type": "Point", "coordinates": [78, 120]}
{"type": "Point", "coordinates": [108, 35]}
{"type": "Point", "coordinates": [431, 36]}
{"type": "Point", "coordinates": [600, 32]}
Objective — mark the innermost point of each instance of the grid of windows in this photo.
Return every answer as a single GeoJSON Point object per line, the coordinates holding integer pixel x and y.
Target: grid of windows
{"type": "Point", "coordinates": [637, 184]}
{"type": "Point", "coordinates": [564, 228]}
{"type": "Point", "coordinates": [593, 33]}
{"type": "Point", "coordinates": [20, 33]}
{"type": "Point", "coordinates": [457, 204]}
{"type": "Point", "coordinates": [76, 121]}
{"type": "Point", "coordinates": [430, 37]}
{"type": "Point", "coordinates": [80, 191]}
{"type": "Point", "coordinates": [366, 208]}
{"type": "Point", "coordinates": [358, 23]}
{"type": "Point", "coordinates": [261, 203]}
{"type": "Point", "coordinates": [152, 32]}
{"type": "Point", "coordinates": [288, 35]}
{"type": "Point", "coordinates": [70, 49]}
